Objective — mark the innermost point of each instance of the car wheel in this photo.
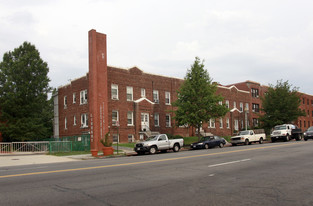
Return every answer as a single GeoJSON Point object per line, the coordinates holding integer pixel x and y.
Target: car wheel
{"type": "Point", "coordinates": [176, 148]}
{"type": "Point", "coordinates": [273, 140]}
{"type": "Point", "coordinates": [261, 140]}
{"type": "Point", "coordinates": [287, 138]}
{"type": "Point", "coordinates": [221, 145]}
{"type": "Point", "coordinates": [233, 144]}
{"type": "Point", "coordinates": [153, 150]}
{"type": "Point", "coordinates": [305, 139]}
{"type": "Point", "coordinates": [206, 146]}
{"type": "Point", "coordinates": [246, 142]}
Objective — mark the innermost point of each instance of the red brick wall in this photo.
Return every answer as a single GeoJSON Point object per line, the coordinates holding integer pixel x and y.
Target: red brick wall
{"type": "Point", "coordinates": [307, 106]}
{"type": "Point", "coordinates": [68, 112]}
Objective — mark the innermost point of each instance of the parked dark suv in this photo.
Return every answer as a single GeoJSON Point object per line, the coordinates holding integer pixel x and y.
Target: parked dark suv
{"type": "Point", "coordinates": [308, 134]}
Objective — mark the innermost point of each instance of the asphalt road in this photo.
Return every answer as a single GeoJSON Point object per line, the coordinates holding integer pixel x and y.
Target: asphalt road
{"type": "Point", "coordinates": [268, 174]}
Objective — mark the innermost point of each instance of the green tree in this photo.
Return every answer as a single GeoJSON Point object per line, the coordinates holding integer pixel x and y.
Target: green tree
{"type": "Point", "coordinates": [281, 105]}
{"type": "Point", "coordinates": [197, 99]}
{"type": "Point", "coordinates": [25, 111]}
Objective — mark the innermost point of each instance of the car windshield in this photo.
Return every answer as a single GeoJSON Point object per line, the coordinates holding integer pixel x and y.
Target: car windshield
{"type": "Point", "coordinates": [152, 138]}
{"type": "Point", "coordinates": [204, 139]}
{"type": "Point", "coordinates": [310, 129]}
{"type": "Point", "coordinates": [243, 132]}
{"type": "Point", "coordinates": [280, 127]}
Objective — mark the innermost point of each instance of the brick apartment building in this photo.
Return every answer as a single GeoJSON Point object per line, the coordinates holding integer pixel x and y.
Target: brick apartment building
{"type": "Point", "coordinates": [132, 104]}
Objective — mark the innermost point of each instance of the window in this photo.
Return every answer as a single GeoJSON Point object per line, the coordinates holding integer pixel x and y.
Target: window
{"type": "Point", "coordinates": [236, 127]}
{"type": "Point", "coordinates": [130, 138]}
{"type": "Point", "coordinates": [254, 92]}
{"type": "Point", "coordinates": [168, 120]}
{"type": "Point", "coordinates": [143, 92]}
{"type": "Point", "coordinates": [303, 100]}
{"type": "Point", "coordinates": [130, 118]}
{"type": "Point", "coordinates": [114, 117]}
{"type": "Point", "coordinates": [74, 98]}
{"type": "Point", "coordinates": [156, 96]}
{"type": "Point", "coordinates": [227, 103]}
{"type": "Point", "coordinates": [129, 93]}
{"type": "Point", "coordinates": [304, 124]}
{"type": "Point", "coordinates": [212, 123]}
{"type": "Point", "coordinates": [156, 120]}
{"type": "Point", "coordinates": [114, 91]}
{"type": "Point", "coordinates": [241, 106]}
{"type": "Point", "coordinates": [65, 123]}
{"type": "Point", "coordinates": [83, 97]}
{"type": "Point", "coordinates": [312, 113]}
{"type": "Point", "coordinates": [167, 98]}
{"type": "Point", "coordinates": [221, 122]}
{"type": "Point", "coordinates": [255, 122]}
{"type": "Point", "coordinates": [308, 101]}
{"type": "Point", "coordinates": [227, 123]}
{"type": "Point", "coordinates": [116, 138]}
{"type": "Point", "coordinates": [247, 107]}
{"type": "Point", "coordinates": [65, 102]}
{"type": "Point", "coordinates": [255, 108]}
{"type": "Point", "coordinates": [235, 105]}
{"type": "Point", "coordinates": [220, 102]}
{"type": "Point", "coordinates": [84, 120]}
{"type": "Point", "coordinates": [74, 120]}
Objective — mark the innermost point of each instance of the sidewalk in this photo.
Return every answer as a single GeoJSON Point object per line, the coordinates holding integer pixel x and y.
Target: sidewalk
{"type": "Point", "coordinates": [16, 159]}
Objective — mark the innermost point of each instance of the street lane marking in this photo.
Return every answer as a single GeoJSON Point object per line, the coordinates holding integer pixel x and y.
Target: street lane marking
{"type": "Point", "coordinates": [144, 162]}
{"type": "Point", "coordinates": [227, 163]}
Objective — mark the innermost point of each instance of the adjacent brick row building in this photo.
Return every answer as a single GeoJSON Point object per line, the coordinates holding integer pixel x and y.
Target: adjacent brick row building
{"type": "Point", "coordinates": [131, 104]}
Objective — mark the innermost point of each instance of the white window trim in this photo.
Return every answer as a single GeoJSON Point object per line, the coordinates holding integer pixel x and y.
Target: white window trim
{"type": "Point", "coordinates": [132, 118]}
{"type": "Point", "coordinates": [221, 122]}
{"type": "Point", "coordinates": [211, 123]}
{"type": "Point", "coordinates": [83, 97]}
{"type": "Point", "coordinates": [74, 120]}
{"type": "Point", "coordinates": [168, 97]}
{"type": "Point", "coordinates": [227, 103]}
{"type": "Point", "coordinates": [130, 90]}
{"type": "Point", "coordinates": [241, 106]}
{"type": "Point", "coordinates": [227, 123]}
{"type": "Point", "coordinates": [65, 123]}
{"type": "Point", "coordinates": [117, 118]}
{"type": "Point", "coordinates": [156, 100]}
{"type": "Point", "coordinates": [157, 115]}
{"type": "Point", "coordinates": [114, 86]}
{"type": "Point", "coordinates": [143, 92]}
{"type": "Point", "coordinates": [84, 124]}
{"type": "Point", "coordinates": [169, 123]}
{"type": "Point", "coordinates": [65, 102]}
{"type": "Point", "coordinates": [74, 98]}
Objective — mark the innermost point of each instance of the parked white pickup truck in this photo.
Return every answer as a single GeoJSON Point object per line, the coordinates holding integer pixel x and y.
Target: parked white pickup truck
{"type": "Point", "coordinates": [158, 143]}
{"type": "Point", "coordinates": [248, 136]}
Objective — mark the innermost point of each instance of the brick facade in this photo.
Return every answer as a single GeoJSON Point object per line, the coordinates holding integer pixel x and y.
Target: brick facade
{"type": "Point", "coordinates": [123, 101]}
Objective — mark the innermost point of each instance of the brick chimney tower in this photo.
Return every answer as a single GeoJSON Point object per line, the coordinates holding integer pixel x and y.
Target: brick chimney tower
{"type": "Point", "coordinates": [98, 89]}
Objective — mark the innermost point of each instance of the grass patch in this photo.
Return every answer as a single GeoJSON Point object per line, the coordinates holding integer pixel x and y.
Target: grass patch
{"type": "Point", "coordinates": [189, 140]}
{"type": "Point", "coordinates": [130, 144]}
{"type": "Point", "coordinates": [70, 153]}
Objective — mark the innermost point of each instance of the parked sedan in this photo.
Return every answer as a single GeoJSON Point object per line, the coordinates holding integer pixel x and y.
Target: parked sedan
{"type": "Point", "coordinates": [208, 142]}
{"type": "Point", "coordinates": [308, 134]}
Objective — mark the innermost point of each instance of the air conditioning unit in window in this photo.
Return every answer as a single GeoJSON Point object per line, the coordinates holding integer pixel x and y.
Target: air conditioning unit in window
{"type": "Point", "coordinates": [156, 101]}
{"type": "Point", "coordinates": [114, 96]}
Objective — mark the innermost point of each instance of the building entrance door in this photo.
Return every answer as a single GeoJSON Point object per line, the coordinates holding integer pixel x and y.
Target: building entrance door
{"type": "Point", "coordinates": [145, 122]}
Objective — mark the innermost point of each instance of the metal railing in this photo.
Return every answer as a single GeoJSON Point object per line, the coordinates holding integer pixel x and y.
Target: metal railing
{"type": "Point", "coordinates": [30, 146]}
{"type": "Point", "coordinates": [5, 147]}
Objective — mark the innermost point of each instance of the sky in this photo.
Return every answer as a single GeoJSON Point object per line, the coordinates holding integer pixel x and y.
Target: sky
{"type": "Point", "coordinates": [258, 40]}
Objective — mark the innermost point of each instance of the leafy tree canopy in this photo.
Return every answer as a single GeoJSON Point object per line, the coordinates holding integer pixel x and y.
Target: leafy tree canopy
{"type": "Point", "coordinates": [25, 112]}
{"type": "Point", "coordinates": [281, 105]}
{"type": "Point", "coordinates": [197, 99]}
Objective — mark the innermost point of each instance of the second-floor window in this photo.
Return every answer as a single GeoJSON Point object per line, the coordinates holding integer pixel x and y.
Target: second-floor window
{"type": "Point", "coordinates": [74, 121]}
{"type": "Point", "coordinates": [212, 123]}
{"type": "Point", "coordinates": [167, 98]}
{"type": "Point", "coordinates": [143, 92]}
{"type": "Point", "coordinates": [114, 91]}
{"type": "Point", "coordinates": [235, 105]}
{"type": "Point", "coordinates": [155, 96]}
{"type": "Point", "coordinates": [255, 107]}
{"type": "Point", "coordinates": [227, 103]}
{"type": "Point", "coordinates": [221, 122]}
{"type": "Point", "coordinates": [129, 93]}
{"type": "Point", "coordinates": [114, 117]}
{"type": "Point", "coordinates": [74, 98]}
{"type": "Point", "coordinates": [65, 101]}
{"type": "Point", "coordinates": [84, 120]}
{"type": "Point", "coordinates": [83, 97]}
{"type": "Point", "coordinates": [241, 106]}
